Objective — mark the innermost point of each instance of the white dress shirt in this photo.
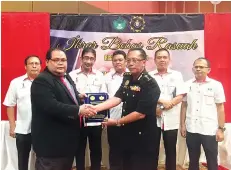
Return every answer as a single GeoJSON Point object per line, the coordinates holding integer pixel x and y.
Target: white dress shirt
{"type": "Point", "coordinates": [92, 82]}
{"type": "Point", "coordinates": [170, 85]}
{"type": "Point", "coordinates": [19, 94]}
{"type": "Point", "coordinates": [113, 81]}
{"type": "Point", "coordinates": [201, 114]}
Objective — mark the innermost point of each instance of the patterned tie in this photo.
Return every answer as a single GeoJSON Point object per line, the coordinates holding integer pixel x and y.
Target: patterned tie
{"type": "Point", "coordinates": [72, 95]}
{"type": "Point", "coordinates": [71, 91]}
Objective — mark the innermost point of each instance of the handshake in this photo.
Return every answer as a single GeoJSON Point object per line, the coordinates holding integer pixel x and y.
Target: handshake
{"type": "Point", "coordinates": [87, 110]}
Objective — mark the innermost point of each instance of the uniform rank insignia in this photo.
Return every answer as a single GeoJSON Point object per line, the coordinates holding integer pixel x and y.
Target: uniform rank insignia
{"type": "Point", "coordinates": [147, 77]}
{"type": "Point", "coordinates": [127, 74]}
{"type": "Point", "coordinates": [135, 88]}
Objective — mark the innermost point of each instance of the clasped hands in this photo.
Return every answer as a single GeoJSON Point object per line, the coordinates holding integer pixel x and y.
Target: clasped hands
{"type": "Point", "coordinates": [87, 110]}
{"type": "Point", "coordinates": [167, 106]}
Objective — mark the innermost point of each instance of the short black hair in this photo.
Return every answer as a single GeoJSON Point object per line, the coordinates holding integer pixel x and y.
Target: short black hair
{"type": "Point", "coordinates": [142, 52]}
{"type": "Point", "coordinates": [203, 58]}
{"type": "Point", "coordinates": [119, 52]}
{"type": "Point", "coordinates": [49, 52]}
{"type": "Point", "coordinates": [88, 50]}
{"type": "Point", "coordinates": [29, 56]}
{"type": "Point", "coordinates": [161, 49]}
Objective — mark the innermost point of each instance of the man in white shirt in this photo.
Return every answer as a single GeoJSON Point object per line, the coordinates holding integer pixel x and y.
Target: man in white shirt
{"type": "Point", "coordinates": [89, 80]}
{"type": "Point", "coordinates": [168, 108]}
{"type": "Point", "coordinates": [19, 94]}
{"type": "Point", "coordinates": [113, 81]}
{"type": "Point", "coordinates": [203, 116]}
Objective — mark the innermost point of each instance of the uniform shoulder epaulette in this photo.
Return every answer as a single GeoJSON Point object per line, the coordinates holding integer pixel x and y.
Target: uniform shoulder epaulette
{"type": "Point", "coordinates": [145, 78]}
{"type": "Point", "coordinates": [127, 74]}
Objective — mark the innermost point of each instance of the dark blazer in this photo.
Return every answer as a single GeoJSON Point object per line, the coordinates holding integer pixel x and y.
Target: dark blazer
{"type": "Point", "coordinates": [55, 123]}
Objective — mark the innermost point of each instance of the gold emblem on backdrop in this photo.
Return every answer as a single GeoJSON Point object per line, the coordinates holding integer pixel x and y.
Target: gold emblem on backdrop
{"type": "Point", "coordinates": [137, 23]}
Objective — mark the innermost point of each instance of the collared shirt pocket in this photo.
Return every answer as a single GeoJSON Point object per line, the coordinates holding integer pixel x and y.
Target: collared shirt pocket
{"type": "Point", "coordinates": [23, 92]}
{"type": "Point", "coordinates": [171, 89]}
{"type": "Point", "coordinates": [96, 85]}
{"type": "Point", "coordinates": [209, 97]}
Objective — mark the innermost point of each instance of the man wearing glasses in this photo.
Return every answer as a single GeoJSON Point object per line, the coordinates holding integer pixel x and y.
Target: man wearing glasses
{"type": "Point", "coordinates": [168, 108]}
{"type": "Point", "coordinates": [202, 115]}
{"type": "Point", "coordinates": [113, 81]}
{"type": "Point", "coordinates": [55, 114]}
{"type": "Point", "coordinates": [19, 94]}
{"type": "Point", "coordinates": [139, 93]}
{"type": "Point", "coordinates": [89, 80]}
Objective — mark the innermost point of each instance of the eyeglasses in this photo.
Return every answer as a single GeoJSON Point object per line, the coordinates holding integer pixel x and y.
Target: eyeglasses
{"type": "Point", "coordinates": [134, 60]}
{"type": "Point", "coordinates": [88, 58]}
{"type": "Point", "coordinates": [200, 67]}
{"type": "Point", "coordinates": [33, 63]}
{"type": "Point", "coordinates": [57, 60]}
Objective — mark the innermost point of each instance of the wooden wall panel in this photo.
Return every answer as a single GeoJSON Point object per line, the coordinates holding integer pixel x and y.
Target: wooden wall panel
{"type": "Point", "coordinates": [171, 6]}
{"type": "Point", "coordinates": [224, 6]}
{"type": "Point", "coordinates": [56, 6]}
{"type": "Point", "coordinates": [16, 6]}
{"type": "Point", "coordinates": [133, 7]}
{"type": "Point", "coordinates": [85, 8]}
{"type": "Point", "coordinates": [162, 5]}
{"type": "Point", "coordinates": [179, 6]}
{"type": "Point", "coordinates": [191, 6]}
{"type": "Point", "coordinates": [91, 7]}
{"type": "Point", "coordinates": [104, 5]}
{"type": "Point", "coordinates": [206, 6]}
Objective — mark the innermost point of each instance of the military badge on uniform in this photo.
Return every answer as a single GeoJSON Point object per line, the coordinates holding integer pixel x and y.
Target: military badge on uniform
{"type": "Point", "coordinates": [135, 88]}
{"type": "Point", "coordinates": [126, 82]}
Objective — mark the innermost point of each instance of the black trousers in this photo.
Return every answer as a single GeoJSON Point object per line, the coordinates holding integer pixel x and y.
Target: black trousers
{"type": "Point", "coordinates": [138, 160]}
{"type": "Point", "coordinates": [44, 163]}
{"type": "Point", "coordinates": [170, 140]}
{"type": "Point", "coordinates": [93, 133]}
{"type": "Point", "coordinates": [115, 148]}
{"type": "Point", "coordinates": [23, 144]}
{"type": "Point", "coordinates": [210, 145]}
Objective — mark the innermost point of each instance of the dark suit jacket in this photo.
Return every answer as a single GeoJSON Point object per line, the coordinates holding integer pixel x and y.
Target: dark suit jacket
{"type": "Point", "coordinates": [55, 123]}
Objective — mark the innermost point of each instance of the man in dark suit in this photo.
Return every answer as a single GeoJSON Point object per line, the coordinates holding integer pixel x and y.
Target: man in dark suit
{"type": "Point", "coordinates": [55, 114]}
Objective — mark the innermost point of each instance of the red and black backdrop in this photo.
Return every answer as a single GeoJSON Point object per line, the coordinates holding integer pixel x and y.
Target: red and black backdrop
{"type": "Point", "coordinates": [29, 33]}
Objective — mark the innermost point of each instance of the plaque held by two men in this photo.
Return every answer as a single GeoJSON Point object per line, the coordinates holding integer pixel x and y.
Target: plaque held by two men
{"type": "Point", "coordinates": [94, 99]}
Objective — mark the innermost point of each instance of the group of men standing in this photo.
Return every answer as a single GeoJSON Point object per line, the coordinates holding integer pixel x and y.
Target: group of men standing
{"type": "Point", "coordinates": [142, 107]}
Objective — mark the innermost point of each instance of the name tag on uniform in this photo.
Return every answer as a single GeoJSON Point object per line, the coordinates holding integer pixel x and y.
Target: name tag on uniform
{"type": "Point", "coordinates": [94, 99]}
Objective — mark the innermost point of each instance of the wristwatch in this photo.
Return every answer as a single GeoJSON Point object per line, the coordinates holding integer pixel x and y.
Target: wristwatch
{"type": "Point", "coordinates": [117, 123]}
{"type": "Point", "coordinates": [222, 128]}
